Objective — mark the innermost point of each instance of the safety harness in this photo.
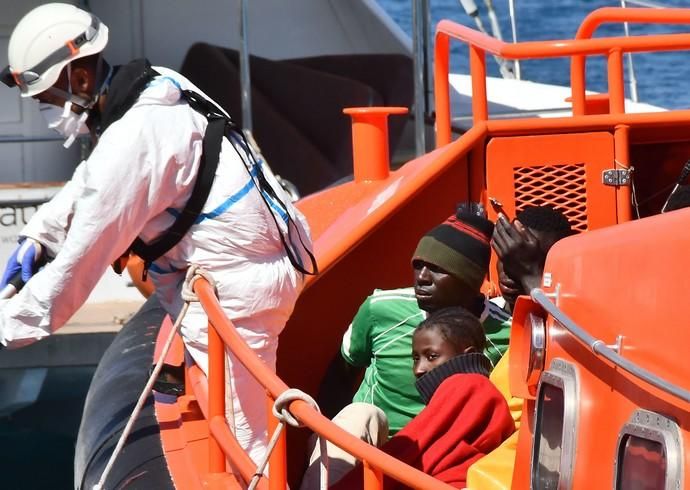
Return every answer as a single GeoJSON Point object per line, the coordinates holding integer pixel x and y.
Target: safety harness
{"type": "Point", "coordinates": [127, 84]}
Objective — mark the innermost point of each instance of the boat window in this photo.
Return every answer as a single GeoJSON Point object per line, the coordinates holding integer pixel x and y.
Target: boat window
{"type": "Point", "coordinates": [643, 464]}
{"type": "Point", "coordinates": [555, 427]}
{"type": "Point", "coordinates": [649, 453]}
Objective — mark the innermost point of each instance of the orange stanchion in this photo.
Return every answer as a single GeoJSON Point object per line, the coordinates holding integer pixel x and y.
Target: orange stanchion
{"type": "Point", "coordinates": [621, 143]}
{"type": "Point", "coordinates": [277, 462]}
{"type": "Point", "coordinates": [441, 89]}
{"type": "Point", "coordinates": [370, 141]}
{"type": "Point", "coordinates": [373, 478]}
{"type": "Point", "coordinates": [216, 396]}
{"type": "Point", "coordinates": [480, 111]}
{"type": "Point", "coordinates": [240, 460]}
{"type": "Point", "coordinates": [615, 79]}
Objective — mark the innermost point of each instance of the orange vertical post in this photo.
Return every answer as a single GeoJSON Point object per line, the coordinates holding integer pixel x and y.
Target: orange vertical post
{"type": "Point", "coordinates": [441, 89]}
{"type": "Point", "coordinates": [370, 141]}
{"type": "Point", "coordinates": [616, 83]}
{"type": "Point", "coordinates": [480, 111]}
{"type": "Point", "coordinates": [373, 478]}
{"type": "Point", "coordinates": [477, 172]}
{"type": "Point", "coordinates": [578, 84]}
{"type": "Point", "coordinates": [621, 143]}
{"type": "Point", "coordinates": [216, 396]}
{"type": "Point", "coordinates": [277, 462]}
{"type": "Point", "coordinates": [621, 134]}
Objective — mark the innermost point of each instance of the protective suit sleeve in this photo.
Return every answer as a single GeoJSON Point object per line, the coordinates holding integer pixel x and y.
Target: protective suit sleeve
{"type": "Point", "coordinates": [131, 176]}
{"type": "Point", "coordinates": [49, 225]}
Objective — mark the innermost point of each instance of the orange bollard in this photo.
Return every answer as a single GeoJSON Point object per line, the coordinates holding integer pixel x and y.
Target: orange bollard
{"type": "Point", "coordinates": [370, 141]}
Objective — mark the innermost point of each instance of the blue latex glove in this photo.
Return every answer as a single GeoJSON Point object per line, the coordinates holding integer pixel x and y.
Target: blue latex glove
{"type": "Point", "coordinates": [25, 258]}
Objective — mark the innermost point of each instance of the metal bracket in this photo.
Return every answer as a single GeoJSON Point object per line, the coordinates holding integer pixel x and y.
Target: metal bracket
{"type": "Point", "coordinates": [556, 295]}
{"type": "Point", "coordinates": [618, 346]}
{"type": "Point", "coordinates": [616, 177]}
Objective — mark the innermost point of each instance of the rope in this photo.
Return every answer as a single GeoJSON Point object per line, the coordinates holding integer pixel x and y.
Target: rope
{"type": "Point", "coordinates": [633, 192]}
{"type": "Point", "coordinates": [281, 412]}
{"type": "Point", "coordinates": [189, 296]}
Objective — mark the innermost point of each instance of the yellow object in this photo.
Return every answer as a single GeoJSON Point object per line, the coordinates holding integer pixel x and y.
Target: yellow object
{"type": "Point", "coordinates": [495, 470]}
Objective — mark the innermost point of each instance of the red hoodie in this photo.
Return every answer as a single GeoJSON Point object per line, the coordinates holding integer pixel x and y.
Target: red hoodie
{"type": "Point", "coordinates": [466, 419]}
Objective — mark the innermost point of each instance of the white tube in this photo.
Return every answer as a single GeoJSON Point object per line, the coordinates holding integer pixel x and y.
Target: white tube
{"type": "Point", "coordinates": [495, 26]}
{"type": "Point", "coordinates": [470, 7]}
{"type": "Point", "coordinates": [631, 68]}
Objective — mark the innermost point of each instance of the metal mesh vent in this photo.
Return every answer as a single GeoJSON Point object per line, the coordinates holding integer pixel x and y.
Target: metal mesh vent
{"type": "Point", "coordinates": [561, 186]}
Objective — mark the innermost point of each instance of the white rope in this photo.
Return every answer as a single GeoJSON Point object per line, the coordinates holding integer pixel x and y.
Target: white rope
{"type": "Point", "coordinates": [281, 412]}
{"type": "Point", "coordinates": [193, 273]}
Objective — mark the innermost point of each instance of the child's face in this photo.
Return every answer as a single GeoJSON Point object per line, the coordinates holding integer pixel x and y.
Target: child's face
{"type": "Point", "coordinates": [430, 349]}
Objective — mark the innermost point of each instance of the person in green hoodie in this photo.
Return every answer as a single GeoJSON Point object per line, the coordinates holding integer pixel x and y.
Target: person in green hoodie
{"type": "Point", "coordinates": [449, 267]}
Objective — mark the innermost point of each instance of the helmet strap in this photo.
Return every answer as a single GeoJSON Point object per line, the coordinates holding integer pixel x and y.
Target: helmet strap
{"type": "Point", "coordinates": [86, 104]}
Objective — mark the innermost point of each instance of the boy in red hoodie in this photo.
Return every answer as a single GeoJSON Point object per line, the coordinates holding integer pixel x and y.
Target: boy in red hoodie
{"type": "Point", "coordinates": [465, 418]}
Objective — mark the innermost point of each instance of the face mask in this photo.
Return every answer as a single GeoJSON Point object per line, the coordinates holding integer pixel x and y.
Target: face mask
{"type": "Point", "coordinates": [65, 122]}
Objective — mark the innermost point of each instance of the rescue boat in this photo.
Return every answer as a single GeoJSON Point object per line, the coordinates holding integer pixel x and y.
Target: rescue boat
{"type": "Point", "coordinates": [596, 353]}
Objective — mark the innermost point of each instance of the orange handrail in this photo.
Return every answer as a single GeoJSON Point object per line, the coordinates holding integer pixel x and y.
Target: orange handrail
{"type": "Point", "coordinates": [333, 246]}
{"type": "Point", "coordinates": [480, 44]}
{"type": "Point", "coordinates": [606, 15]}
{"type": "Point", "coordinates": [375, 461]}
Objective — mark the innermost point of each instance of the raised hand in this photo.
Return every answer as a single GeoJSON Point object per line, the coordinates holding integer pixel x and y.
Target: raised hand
{"type": "Point", "coordinates": [519, 251]}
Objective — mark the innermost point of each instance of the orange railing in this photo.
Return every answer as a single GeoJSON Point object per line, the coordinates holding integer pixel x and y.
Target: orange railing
{"type": "Point", "coordinates": [611, 47]}
{"type": "Point", "coordinates": [606, 15]}
{"type": "Point", "coordinates": [222, 444]}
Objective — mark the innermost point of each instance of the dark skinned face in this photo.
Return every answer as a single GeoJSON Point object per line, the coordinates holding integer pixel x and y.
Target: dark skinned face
{"type": "Point", "coordinates": [430, 349]}
{"type": "Point", "coordinates": [435, 288]}
{"type": "Point", "coordinates": [546, 239]}
{"type": "Point", "coordinates": [510, 289]}
{"type": "Point", "coordinates": [82, 82]}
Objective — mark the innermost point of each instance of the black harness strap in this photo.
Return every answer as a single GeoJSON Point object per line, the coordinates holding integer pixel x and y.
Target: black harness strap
{"type": "Point", "coordinates": [219, 125]}
{"type": "Point", "coordinates": [208, 165]}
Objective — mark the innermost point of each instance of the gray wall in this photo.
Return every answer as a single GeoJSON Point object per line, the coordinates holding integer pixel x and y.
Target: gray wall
{"type": "Point", "coordinates": [27, 162]}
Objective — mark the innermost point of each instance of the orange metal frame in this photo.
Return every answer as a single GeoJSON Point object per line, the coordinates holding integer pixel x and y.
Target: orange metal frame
{"type": "Point", "coordinates": [611, 47]}
{"type": "Point", "coordinates": [370, 211]}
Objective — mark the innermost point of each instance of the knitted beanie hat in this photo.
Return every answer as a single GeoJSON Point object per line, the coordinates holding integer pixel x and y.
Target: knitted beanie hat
{"type": "Point", "coordinates": [459, 246]}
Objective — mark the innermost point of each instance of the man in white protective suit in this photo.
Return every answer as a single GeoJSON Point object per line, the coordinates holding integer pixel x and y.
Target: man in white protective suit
{"type": "Point", "coordinates": [150, 125]}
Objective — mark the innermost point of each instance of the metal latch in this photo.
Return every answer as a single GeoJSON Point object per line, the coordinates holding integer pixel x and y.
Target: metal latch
{"type": "Point", "coordinates": [616, 177]}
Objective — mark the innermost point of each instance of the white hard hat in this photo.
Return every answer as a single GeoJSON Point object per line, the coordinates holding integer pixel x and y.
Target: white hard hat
{"type": "Point", "coordinates": [45, 40]}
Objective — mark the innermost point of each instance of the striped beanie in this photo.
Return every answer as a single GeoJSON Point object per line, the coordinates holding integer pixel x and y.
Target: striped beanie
{"type": "Point", "coordinates": [459, 246]}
